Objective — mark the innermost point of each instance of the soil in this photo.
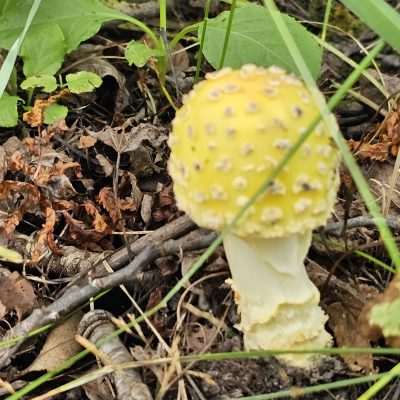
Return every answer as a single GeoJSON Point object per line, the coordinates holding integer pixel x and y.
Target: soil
{"type": "Point", "coordinates": [71, 220]}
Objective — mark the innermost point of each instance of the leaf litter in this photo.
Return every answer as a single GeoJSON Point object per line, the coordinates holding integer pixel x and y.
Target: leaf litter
{"type": "Point", "coordinates": [74, 191]}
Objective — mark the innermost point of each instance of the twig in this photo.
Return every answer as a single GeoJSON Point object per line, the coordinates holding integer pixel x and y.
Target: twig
{"type": "Point", "coordinates": [335, 228]}
{"type": "Point", "coordinates": [96, 325]}
{"type": "Point", "coordinates": [78, 294]}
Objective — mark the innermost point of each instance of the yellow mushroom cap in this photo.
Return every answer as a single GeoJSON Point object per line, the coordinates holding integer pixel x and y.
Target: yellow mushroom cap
{"type": "Point", "coordinates": [232, 130]}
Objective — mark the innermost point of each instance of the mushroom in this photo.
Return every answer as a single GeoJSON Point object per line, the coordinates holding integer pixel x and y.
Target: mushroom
{"type": "Point", "coordinates": [231, 132]}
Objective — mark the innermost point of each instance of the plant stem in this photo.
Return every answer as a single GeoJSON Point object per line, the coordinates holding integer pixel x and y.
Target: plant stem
{"type": "Point", "coordinates": [227, 34]}
{"type": "Point", "coordinates": [181, 34]}
{"type": "Point", "coordinates": [203, 35]}
{"type": "Point", "coordinates": [327, 14]}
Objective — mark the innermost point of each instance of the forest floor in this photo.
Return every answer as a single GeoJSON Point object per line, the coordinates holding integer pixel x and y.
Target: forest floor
{"type": "Point", "coordinates": [88, 194]}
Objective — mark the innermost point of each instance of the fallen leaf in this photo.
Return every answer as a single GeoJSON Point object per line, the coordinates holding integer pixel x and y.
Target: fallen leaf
{"type": "Point", "coordinates": [35, 116]}
{"type": "Point", "coordinates": [376, 151]}
{"type": "Point", "coordinates": [45, 239]}
{"type": "Point", "coordinates": [99, 224]}
{"type": "Point", "coordinates": [59, 346]}
{"type": "Point", "coordinates": [17, 198]}
{"type": "Point", "coordinates": [86, 142]}
{"type": "Point", "coordinates": [16, 294]}
{"type": "Point", "coordinates": [381, 316]}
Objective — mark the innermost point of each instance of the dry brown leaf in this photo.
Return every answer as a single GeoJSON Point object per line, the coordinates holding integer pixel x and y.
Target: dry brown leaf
{"type": "Point", "coordinates": [376, 151]}
{"type": "Point", "coordinates": [16, 294]}
{"type": "Point", "coordinates": [344, 324]}
{"type": "Point", "coordinates": [79, 232]}
{"type": "Point", "coordinates": [109, 202]}
{"type": "Point", "coordinates": [60, 345]}
{"type": "Point", "coordinates": [373, 332]}
{"type": "Point", "coordinates": [17, 198]}
{"type": "Point", "coordinates": [3, 163]}
{"type": "Point", "coordinates": [86, 142]}
{"type": "Point", "coordinates": [105, 164]}
{"type": "Point", "coordinates": [34, 117]}
{"type": "Point", "coordinates": [99, 224]}
{"type": "Point", "coordinates": [45, 238]}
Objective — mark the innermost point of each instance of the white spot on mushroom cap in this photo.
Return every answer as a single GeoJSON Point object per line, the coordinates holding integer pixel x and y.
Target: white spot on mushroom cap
{"type": "Point", "coordinates": [218, 74]}
{"type": "Point", "coordinates": [282, 144]}
{"type": "Point", "coordinates": [322, 168]}
{"type": "Point", "coordinates": [276, 70]}
{"type": "Point", "coordinates": [230, 130]}
{"type": "Point", "coordinates": [239, 182]}
{"type": "Point", "coordinates": [302, 205]}
{"type": "Point", "coordinates": [276, 187]}
{"type": "Point", "coordinates": [214, 94]}
{"type": "Point", "coordinates": [231, 88]}
{"type": "Point", "coordinates": [305, 97]}
{"type": "Point", "coordinates": [228, 112]}
{"type": "Point", "coordinates": [199, 197]}
{"type": "Point", "coordinates": [324, 150]}
{"type": "Point", "coordinates": [210, 128]}
{"type": "Point", "coordinates": [248, 167]}
{"type": "Point", "coordinates": [271, 214]}
{"type": "Point", "coordinates": [261, 127]}
{"type": "Point", "coordinates": [297, 111]}
{"type": "Point", "coordinates": [190, 131]}
{"type": "Point", "coordinates": [279, 124]}
{"type": "Point", "coordinates": [246, 149]}
{"type": "Point", "coordinates": [248, 70]}
{"type": "Point", "coordinates": [218, 193]}
{"type": "Point", "coordinates": [223, 164]}
{"type": "Point", "coordinates": [242, 201]}
{"type": "Point", "coordinates": [211, 145]}
{"type": "Point", "coordinates": [198, 165]}
{"type": "Point", "coordinates": [271, 160]}
{"type": "Point", "coordinates": [270, 91]}
{"type": "Point", "coordinates": [252, 107]}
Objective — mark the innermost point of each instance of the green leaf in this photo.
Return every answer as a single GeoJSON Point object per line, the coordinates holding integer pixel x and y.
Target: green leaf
{"type": "Point", "coordinates": [387, 317]}
{"type": "Point", "coordinates": [54, 112]}
{"type": "Point", "coordinates": [83, 81]}
{"type": "Point", "coordinates": [138, 53]}
{"type": "Point", "coordinates": [255, 39]}
{"type": "Point", "coordinates": [47, 82]}
{"type": "Point", "coordinates": [380, 17]}
{"type": "Point", "coordinates": [8, 111]}
{"type": "Point", "coordinates": [58, 28]}
{"type": "Point", "coordinates": [43, 50]}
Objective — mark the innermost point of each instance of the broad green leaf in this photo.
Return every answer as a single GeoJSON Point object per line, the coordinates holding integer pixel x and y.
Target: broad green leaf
{"type": "Point", "coordinates": [138, 53]}
{"type": "Point", "coordinates": [58, 28]}
{"type": "Point", "coordinates": [255, 39]}
{"type": "Point", "coordinates": [8, 111]}
{"type": "Point", "coordinates": [54, 112]}
{"type": "Point", "coordinates": [43, 50]}
{"type": "Point", "coordinates": [83, 81]}
{"type": "Point", "coordinates": [7, 67]}
{"type": "Point", "coordinates": [380, 17]}
{"type": "Point", "coordinates": [47, 82]}
{"type": "Point", "coordinates": [387, 317]}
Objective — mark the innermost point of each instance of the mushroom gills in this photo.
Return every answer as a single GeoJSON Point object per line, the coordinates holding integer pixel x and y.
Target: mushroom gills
{"type": "Point", "coordinates": [277, 301]}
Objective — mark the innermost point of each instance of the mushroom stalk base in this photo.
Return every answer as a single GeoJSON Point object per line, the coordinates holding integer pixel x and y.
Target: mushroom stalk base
{"type": "Point", "coordinates": [277, 301]}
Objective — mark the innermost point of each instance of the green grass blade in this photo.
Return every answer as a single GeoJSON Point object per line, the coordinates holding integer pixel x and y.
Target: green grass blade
{"type": "Point", "coordinates": [328, 9]}
{"type": "Point", "coordinates": [375, 261]}
{"type": "Point", "coordinates": [203, 35]}
{"type": "Point", "coordinates": [8, 64]}
{"type": "Point", "coordinates": [380, 17]}
{"type": "Point", "coordinates": [382, 382]}
{"type": "Point", "coordinates": [227, 34]}
{"type": "Point", "coordinates": [348, 158]}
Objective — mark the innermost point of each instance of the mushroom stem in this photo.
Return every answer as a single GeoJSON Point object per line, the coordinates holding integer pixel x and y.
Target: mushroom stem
{"type": "Point", "coordinates": [277, 300]}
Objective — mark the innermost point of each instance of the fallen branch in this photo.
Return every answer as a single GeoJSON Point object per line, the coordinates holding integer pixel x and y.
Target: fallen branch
{"type": "Point", "coordinates": [335, 228]}
{"type": "Point", "coordinates": [79, 294]}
